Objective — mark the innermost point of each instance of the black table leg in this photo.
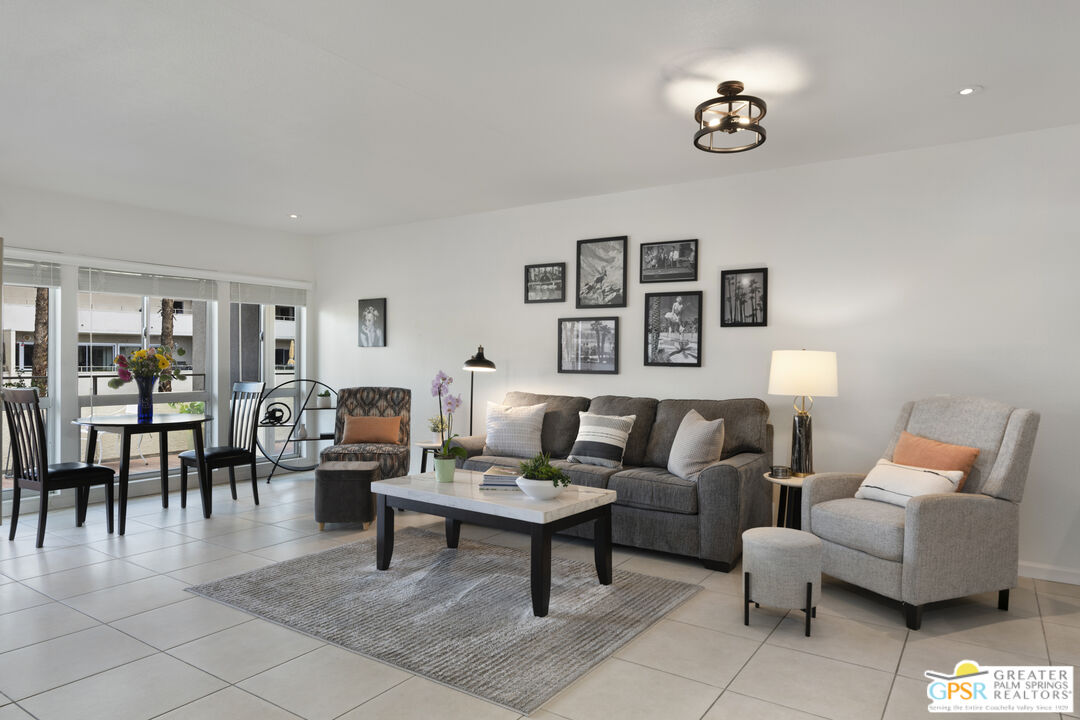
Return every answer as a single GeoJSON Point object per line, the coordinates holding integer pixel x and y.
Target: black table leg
{"type": "Point", "coordinates": [125, 469]}
{"type": "Point", "coordinates": [794, 511]}
{"type": "Point", "coordinates": [602, 546]}
{"type": "Point", "coordinates": [384, 534]}
{"type": "Point", "coordinates": [163, 457]}
{"type": "Point", "coordinates": [91, 445]}
{"type": "Point", "coordinates": [423, 460]}
{"type": "Point", "coordinates": [453, 532]}
{"type": "Point", "coordinates": [204, 472]}
{"type": "Point", "coordinates": [781, 506]}
{"type": "Point", "coordinates": [541, 569]}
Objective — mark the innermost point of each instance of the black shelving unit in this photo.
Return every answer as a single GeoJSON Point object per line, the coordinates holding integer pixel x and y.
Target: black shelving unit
{"type": "Point", "coordinates": [297, 415]}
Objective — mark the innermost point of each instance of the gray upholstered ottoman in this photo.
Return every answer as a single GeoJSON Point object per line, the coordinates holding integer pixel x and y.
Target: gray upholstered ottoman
{"type": "Point", "coordinates": [343, 492]}
{"type": "Point", "coordinates": [781, 568]}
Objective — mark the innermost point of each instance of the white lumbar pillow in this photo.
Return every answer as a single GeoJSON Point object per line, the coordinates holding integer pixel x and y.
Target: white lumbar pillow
{"type": "Point", "coordinates": [698, 444]}
{"type": "Point", "coordinates": [514, 431]}
{"type": "Point", "coordinates": [897, 484]}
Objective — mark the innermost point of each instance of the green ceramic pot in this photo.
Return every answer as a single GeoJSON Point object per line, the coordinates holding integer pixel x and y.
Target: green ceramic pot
{"type": "Point", "coordinates": [444, 470]}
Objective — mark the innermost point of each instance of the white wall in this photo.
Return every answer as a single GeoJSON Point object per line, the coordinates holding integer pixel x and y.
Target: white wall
{"type": "Point", "coordinates": [943, 270]}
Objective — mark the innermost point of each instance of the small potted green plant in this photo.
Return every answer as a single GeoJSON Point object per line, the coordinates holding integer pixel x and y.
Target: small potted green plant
{"type": "Point", "coordinates": [539, 480]}
{"type": "Point", "coordinates": [437, 424]}
{"type": "Point", "coordinates": [323, 399]}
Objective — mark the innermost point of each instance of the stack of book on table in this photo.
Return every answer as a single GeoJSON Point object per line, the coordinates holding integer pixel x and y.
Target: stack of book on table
{"type": "Point", "coordinates": [499, 478]}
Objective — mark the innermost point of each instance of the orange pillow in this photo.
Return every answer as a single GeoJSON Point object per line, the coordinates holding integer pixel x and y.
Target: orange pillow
{"type": "Point", "coordinates": [923, 452]}
{"type": "Point", "coordinates": [371, 429]}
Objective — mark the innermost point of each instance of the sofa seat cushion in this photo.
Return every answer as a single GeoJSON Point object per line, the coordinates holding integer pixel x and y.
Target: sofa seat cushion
{"type": "Point", "coordinates": [655, 489]}
{"type": "Point", "coordinates": [393, 458]}
{"type": "Point", "coordinates": [587, 475]}
{"type": "Point", "coordinates": [875, 528]}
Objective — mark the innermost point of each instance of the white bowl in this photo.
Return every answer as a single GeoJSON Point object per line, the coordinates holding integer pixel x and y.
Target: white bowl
{"type": "Point", "coordinates": [540, 489]}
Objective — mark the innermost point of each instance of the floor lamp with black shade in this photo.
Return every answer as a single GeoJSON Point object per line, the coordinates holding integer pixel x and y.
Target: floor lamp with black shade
{"type": "Point", "coordinates": [477, 363]}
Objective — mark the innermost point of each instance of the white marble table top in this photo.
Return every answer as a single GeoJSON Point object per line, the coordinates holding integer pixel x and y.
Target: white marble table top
{"type": "Point", "coordinates": [465, 494]}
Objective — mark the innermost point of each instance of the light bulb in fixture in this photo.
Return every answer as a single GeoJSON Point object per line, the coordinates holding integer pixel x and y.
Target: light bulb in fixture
{"type": "Point", "coordinates": [294, 216]}
{"type": "Point", "coordinates": [713, 122]}
{"type": "Point", "coordinates": [969, 90]}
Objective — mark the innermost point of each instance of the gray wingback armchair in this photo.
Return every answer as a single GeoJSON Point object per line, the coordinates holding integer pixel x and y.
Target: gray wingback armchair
{"type": "Point", "coordinates": [940, 546]}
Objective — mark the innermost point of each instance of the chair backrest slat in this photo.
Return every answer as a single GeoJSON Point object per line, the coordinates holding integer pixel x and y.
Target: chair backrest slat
{"type": "Point", "coordinates": [27, 430]}
{"type": "Point", "coordinates": [244, 416]}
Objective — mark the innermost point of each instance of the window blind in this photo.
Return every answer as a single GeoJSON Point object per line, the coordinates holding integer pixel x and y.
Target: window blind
{"type": "Point", "coordinates": [267, 294]}
{"type": "Point", "coordinates": [133, 283]}
{"type": "Point", "coordinates": [31, 272]}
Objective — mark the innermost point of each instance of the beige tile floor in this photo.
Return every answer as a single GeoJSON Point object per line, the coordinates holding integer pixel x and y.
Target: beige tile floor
{"type": "Point", "coordinates": [95, 626]}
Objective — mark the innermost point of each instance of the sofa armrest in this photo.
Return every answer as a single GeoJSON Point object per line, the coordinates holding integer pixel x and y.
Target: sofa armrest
{"type": "Point", "coordinates": [958, 544]}
{"type": "Point", "coordinates": [473, 444]}
{"type": "Point", "coordinates": [822, 487]}
{"type": "Point", "coordinates": [733, 496]}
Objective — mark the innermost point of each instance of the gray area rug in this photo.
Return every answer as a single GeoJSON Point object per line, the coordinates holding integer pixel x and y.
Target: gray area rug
{"type": "Point", "coordinates": [460, 617]}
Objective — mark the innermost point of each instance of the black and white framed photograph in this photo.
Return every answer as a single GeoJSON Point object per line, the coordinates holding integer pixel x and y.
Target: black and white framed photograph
{"type": "Point", "coordinates": [589, 345]}
{"type": "Point", "coordinates": [372, 324]}
{"type": "Point", "coordinates": [601, 272]}
{"type": "Point", "coordinates": [673, 329]}
{"type": "Point", "coordinates": [545, 283]}
{"type": "Point", "coordinates": [675, 261]}
{"type": "Point", "coordinates": [744, 298]}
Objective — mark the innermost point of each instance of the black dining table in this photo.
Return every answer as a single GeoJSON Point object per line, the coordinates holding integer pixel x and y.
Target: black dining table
{"type": "Point", "coordinates": [162, 424]}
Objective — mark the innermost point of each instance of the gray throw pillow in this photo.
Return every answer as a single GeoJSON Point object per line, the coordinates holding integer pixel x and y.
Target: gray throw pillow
{"type": "Point", "coordinates": [698, 444]}
{"type": "Point", "coordinates": [601, 439]}
{"type": "Point", "coordinates": [514, 431]}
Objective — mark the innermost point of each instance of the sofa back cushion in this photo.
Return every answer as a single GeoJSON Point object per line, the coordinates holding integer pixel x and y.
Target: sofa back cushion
{"type": "Point", "coordinates": [745, 421]}
{"type": "Point", "coordinates": [560, 420]}
{"type": "Point", "coordinates": [644, 411]}
{"type": "Point", "coordinates": [514, 430]}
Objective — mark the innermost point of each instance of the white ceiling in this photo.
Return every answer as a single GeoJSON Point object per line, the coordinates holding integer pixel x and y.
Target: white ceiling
{"type": "Point", "coordinates": [358, 114]}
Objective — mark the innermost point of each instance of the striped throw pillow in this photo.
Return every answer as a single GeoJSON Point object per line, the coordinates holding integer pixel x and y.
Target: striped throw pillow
{"type": "Point", "coordinates": [698, 444]}
{"type": "Point", "coordinates": [601, 439]}
{"type": "Point", "coordinates": [514, 431]}
{"type": "Point", "coordinates": [896, 484]}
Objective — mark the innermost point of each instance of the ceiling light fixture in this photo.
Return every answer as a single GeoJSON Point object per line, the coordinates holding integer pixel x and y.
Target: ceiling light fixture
{"type": "Point", "coordinates": [294, 216]}
{"type": "Point", "coordinates": [731, 113]}
{"type": "Point", "coordinates": [969, 90]}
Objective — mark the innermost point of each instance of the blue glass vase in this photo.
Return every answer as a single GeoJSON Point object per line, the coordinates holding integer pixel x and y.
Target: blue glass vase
{"type": "Point", "coordinates": [146, 398]}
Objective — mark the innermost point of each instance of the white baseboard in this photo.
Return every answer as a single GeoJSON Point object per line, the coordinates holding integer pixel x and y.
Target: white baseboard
{"type": "Point", "coordinates": [1042, 571]}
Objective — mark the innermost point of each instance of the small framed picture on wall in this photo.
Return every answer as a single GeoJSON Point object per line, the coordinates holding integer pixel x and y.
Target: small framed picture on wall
{"type": "Point", "coordinates": [673, 329]}
{"type": "Point", "coordinates": [372, 323]}
{"type": "Point", "coordinates": [669, 261]}
{"type": "Point", "coordinates": [744, 298]}
{"type": "Point", "coordinates": [601, 272]}
{"type": "Point", "coordinates": [589, 345]}
{"type": "Point", "coordinates": [545, 283]}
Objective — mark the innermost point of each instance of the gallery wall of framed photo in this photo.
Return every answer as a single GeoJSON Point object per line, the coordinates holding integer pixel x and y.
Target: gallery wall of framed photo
{"type": "Point", "coordinates": [674, 321]}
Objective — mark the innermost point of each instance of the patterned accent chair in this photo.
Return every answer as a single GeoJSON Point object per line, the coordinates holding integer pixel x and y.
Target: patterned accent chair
{"type": "Point", "coordinates": [939, 547]}
{"type": "Point", "coordinates": [393, 458]}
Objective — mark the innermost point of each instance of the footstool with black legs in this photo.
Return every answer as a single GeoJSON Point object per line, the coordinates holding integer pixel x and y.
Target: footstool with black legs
{"type": "Point", "coordinates": [781, 568]}
{"type": "Point", "coordinates": [343, 492]}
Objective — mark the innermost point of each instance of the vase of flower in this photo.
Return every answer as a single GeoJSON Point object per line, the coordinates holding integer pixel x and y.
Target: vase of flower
{"type": "Point", "coordinates": [447, 454]}
{"type": "Point", "coordinates": [146, 398]}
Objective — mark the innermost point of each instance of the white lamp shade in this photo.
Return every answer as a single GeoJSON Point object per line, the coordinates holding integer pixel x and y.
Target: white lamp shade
{"type": "Point", "coordinates": [803, 372]}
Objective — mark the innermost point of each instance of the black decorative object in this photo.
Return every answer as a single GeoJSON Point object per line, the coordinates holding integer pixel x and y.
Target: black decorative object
{"type": "Point", "coordinates": [477, 363]}
{"type": "Point", "coordinates": [673, 329]}
{"type": "Point", "coordinates": [601, 272]}
{"type": "Point", "coordinates": [744, 298]}
{"type": "Point", "coordinates": [371, 328]}
{"type": "Point", "coordinates": [302, 393]}
{"type": "Point", "coordinates": [669, 261]}
{"type": "Point", "coordinates": [545, 283]}
{"type": "Point", "coordinates": [589, 345]}
{"type": "Point", "coordinates": [277, 413]}
{"type": "Point", "coordinates": [730, 123]}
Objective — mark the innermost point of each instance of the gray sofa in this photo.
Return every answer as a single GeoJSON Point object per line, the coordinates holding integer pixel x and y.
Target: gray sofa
{"type": "Point", "coordinates": [655, 509]}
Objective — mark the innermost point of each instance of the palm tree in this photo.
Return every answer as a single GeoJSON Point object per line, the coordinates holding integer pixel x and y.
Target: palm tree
{"type": "Point", "coordinates": [654, 328]}
{"type": "Point", "coordinates": [754, 291]}
{"type": "Point", "coordinates": [40, 370]}
{"type": "Point", "coordinates": [168, 311]}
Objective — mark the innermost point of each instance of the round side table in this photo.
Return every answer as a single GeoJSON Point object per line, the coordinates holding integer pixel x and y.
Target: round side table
{"type": "Point", "coordinates": [425, 448]}
{"type": "Point", "coordinates": [789, 509]}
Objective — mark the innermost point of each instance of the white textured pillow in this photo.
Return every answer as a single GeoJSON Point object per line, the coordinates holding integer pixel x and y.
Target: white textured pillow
{"type": "Point", "coordinates": [698, 444]}
{"type": "Point", "coordinates": [896, 484]}
{"type": "Point", "coordinates": [514, 431]}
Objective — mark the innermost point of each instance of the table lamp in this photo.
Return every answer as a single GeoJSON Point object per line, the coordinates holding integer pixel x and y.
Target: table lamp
{"type": "Point", "coordinates": [477, 363]}
{"type": "Point", "coordinates": [804, 374]}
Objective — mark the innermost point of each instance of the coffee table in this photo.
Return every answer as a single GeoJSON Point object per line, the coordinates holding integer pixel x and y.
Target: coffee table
{"type": "Point", "coordinates": [464, 501]}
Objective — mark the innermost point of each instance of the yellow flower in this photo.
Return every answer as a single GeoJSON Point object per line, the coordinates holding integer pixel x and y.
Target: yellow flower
{"type": "Point", "coordinates": [140, 354]}
{"type": "Point", "coordinates": [162, 362]}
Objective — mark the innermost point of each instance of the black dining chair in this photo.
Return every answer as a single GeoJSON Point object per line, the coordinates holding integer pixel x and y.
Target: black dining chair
{"type": "Point", "coordinates": [31, 468]}
{"type": "Point", "coordinates": [243, 423]}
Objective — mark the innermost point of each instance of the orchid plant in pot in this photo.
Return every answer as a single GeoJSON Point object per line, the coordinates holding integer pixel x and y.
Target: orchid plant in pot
{"type": "Point", "coordinates": [447, 454]}
{"type": "Point", "coordinates": [145, 367]}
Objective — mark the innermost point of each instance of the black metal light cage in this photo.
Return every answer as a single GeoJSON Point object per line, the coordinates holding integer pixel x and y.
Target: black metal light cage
{"type": "Point", "coordinates": [730, 113]}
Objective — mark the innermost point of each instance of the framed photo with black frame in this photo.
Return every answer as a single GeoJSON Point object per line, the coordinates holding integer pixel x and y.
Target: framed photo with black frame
{"type": "Point", "coordinates": [744, 298]}
{"type": "Point", "coordinates": [589, 345]}
{"type": "Point", "coordinates": [545, 283]}
{"type": "Point", "coordinates": [673, 329]}
{"type": "Point", "coordinates": [674, 261]}
{"type": "Point", "coordinates": [371, 328]}
{"type": "Point", "coordinates": [601, 272]}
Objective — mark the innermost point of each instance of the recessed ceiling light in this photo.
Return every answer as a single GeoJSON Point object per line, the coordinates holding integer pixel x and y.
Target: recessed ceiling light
{"type": "Point", "coordinates": [294, 216]}
{"type": "Point", "coordinates": [969, 90]}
